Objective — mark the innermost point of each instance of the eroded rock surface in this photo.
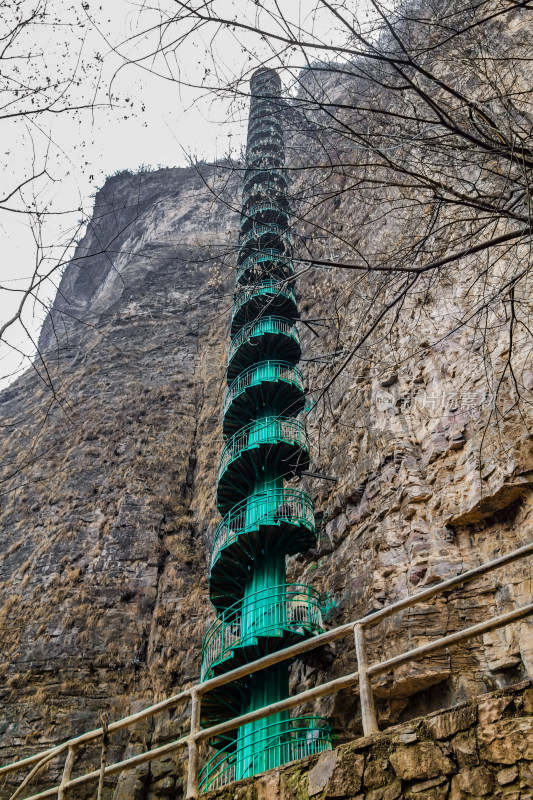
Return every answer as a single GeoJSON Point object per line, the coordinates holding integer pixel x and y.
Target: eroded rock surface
{"type": "Point", "coordinates": [110, 460]}
{"type": "Point", "coordinates": [429, 767]}
{"type": "Point", "coordinates": [103, 569]}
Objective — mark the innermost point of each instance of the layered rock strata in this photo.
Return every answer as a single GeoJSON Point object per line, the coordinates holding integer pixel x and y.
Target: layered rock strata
{"type": "Point", "coordinates": [475, 750]}
{"type": "Point", "coordinates": [108, 474]}
{"type": "Point", "coordinates": [110, 457]}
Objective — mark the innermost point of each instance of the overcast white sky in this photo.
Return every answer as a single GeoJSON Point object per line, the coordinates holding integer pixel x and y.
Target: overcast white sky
{"type": "Point", "coordinates": [155, 121]}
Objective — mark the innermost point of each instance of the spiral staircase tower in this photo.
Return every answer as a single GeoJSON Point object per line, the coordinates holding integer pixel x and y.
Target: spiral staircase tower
{"type": "Point", "coordinates": [266, 443]}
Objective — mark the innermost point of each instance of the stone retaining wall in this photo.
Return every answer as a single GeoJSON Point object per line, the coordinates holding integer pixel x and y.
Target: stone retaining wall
{"type": "Point", "coordinates": [480, 749]}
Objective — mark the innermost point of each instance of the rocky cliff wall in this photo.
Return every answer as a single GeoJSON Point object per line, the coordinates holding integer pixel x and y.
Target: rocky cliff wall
{"type": "Point", "coordinates": [422, 426]}
{"type": "Point", "coordinates": [103, 575]}
{"type": "Point", "coordinates": [110, 459]}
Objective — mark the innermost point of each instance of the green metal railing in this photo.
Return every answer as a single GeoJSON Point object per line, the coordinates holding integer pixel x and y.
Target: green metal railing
{"type": "Point", "coordinates": [269, 142]}
{"type": "Point", "coordinates": [258, 125]}
{"type": "Point", "coordinates": [263, 109]}
{"type": "Point", "coordinates": [269, 430]}
{"type": "Point", "coordinates": [270, 507]}
{"type": "Point", "coordinates": [291, 607]}
{"type": "Point", "coordinates": [272, 133]}
{"type": "Point", "coordinates": [264, 103]}
{"type": "Point", "coordinates": [284, 741]}
{"type": "Point", "coordinates": [261, 162]}
{"type": "Point", "coordinates": [267, 149]}
{"type": "Point", "coordinates": [263, 521]}
{"type": "Point", "coordinates": [275, 325]}
{"type": "Point", "coordinates": [267, 254]}
{"type": "Point", "coordinates": [266, 229]}
{"type": "Point", "coordinates": [265, 127]}
{"type": "Point", "coordinates": [270, 287]}
{"type": "Point", "coordinates": [264, 371]}
{"type": "Point", "coordinates": [265, 122]}
{"type": "Point", "coordinates": [265, 189]}
{"type": "Point", "coordinates": [268, 172]}
{"type": "Point", "coordinates": [261, 208]}
{"type": "Point", "coordinates": [268, 139]}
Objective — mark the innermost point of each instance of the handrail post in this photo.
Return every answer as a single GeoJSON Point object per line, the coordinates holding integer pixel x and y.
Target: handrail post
{"type": "Point", "coordinates": [192, 767]}
{"type": "Point", "coordinates": [368, 711]}
{"type": "Point", "coordinates": [103, 755]}
{"type": "Point", "coordinates": [67, 772]}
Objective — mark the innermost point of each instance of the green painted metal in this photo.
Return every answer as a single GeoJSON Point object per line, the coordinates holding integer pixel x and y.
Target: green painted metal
{"type": "Point", "coordinates": [270, 121]}
{"type": "Point", "coordinates": [263, 111]}
{"type": "Point", "coordinates": [263, 520]}
{"type": "Point", "coordinates": [267, 337]}
{"type": "Point", "coordinates": [268, 186]}
{"type": "Point", "coordinates": [252, 739]}
{"type": "Point", "coordinates": [258, 160]}
{"type": "Point", "coordinates": [264, 136]}
{"type": "Point", "coordinates": [296, 738]}
{"type": "Point", "coordinates": [281, 609]}
{"type": "Point", "coordinates": [267, 139]}
{"type": "Point", "coordinates": [257, 175]}
{"type": "Point", "coordinates": [266, 508]}
{"type": "Point", "coordinates": [266, 190]}
{"type": "Point", "coordinates": [271, 371]}
{"type": "Point", "coordinates": [273, 212]}
{"type": "Point", "coordinates": [275, 325]}
{"type": "Point", "coordinates": [268, 430]}
{"type": "Point", "coordinates": [280, 440]}
{"type": "Point", "coordinates": [272, 263]}
{"type": "Point", "coordinates": [268, 230]}
{"type": "Point", "coordinates": [267, 295]}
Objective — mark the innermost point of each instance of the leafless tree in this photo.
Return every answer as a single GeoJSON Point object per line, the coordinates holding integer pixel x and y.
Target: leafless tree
{"type": "Point", "coordinates": [413, 121]}
{"type": "Point", "coordinates": [45, 74]}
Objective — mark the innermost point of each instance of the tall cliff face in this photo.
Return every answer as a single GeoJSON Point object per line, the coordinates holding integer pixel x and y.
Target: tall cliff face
{"type": "Point", "coordinates": [422, 426]}
{"type": "Point", "coordinates": [110, 468]}
{"type": "Point", "coordinates": [105, 519]}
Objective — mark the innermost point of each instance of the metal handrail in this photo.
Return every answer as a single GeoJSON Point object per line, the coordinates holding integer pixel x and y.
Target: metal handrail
{"type": "Point", "coordinates": [267, 134]}
{"type": "Point", "coordinates": [265, 148]}
{"type": "Point", "coordinates": [263, 160]}
{"type": "Point", "coordinates": [271, 287]}
{"type": "Point", "coordinates": [259, 126]}
{"type": "Point", "coordinates": [265, 229]}
{"type": "Point", "coordinates": [268, 430]}
{"type": "Point", "coordinates": [194, 694]}
{"type": "Point", "coordinates": [270, 137]}
{"type": "Point", "coordinates": [263, 120]}
{"type": "Point", "coordinates": [265, 126]}
{"type": "Point", "coordinates": [266, 254]}
{"type": "Point", "coordinates": [270, 172]}
{"type": "Point", "coordinates": [289, 607]}
{"type": "Point", "coordinates": [269, 507]}
{"type": "Point", "coordinates": [271, 371]}
{"type": "Point", "coordinates": [258, 208]}
{"type": "Point", "coordinates": [264, 108]}
{"type": "Point", "coordinates": [268, 141]}
{"type": "Point", "coordinates": [259, 328]}
{"type": "Point", "coordinates": [289, 740]}
{"type": "Point", "coordinates": [264, 189]}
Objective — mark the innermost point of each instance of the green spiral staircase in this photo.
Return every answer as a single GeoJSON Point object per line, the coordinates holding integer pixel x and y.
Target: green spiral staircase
{"type": "Point", "coordinates": [263, 520]}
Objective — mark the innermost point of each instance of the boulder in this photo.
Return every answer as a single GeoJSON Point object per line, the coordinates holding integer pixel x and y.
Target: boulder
{"type": "Point", "coordinates": [421, 761]}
